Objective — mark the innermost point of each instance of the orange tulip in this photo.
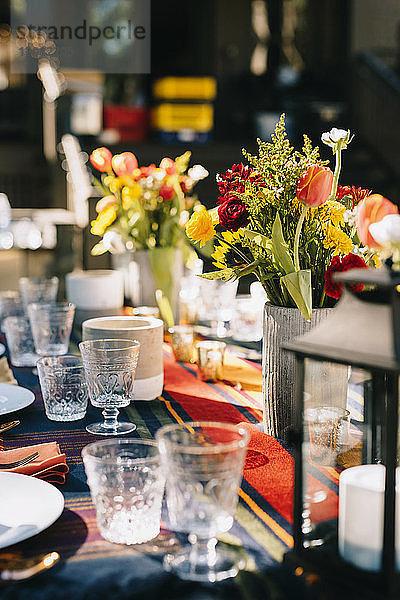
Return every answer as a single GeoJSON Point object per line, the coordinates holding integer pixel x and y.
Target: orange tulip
{"type": "Point", "coordinates": [101, 159]}
{"type": "Point", "coordinates": [315, 185]}
{"type": "Point", "coordinates": [124, 164]}
{"type": "Point", "coordinates": [372, 210]}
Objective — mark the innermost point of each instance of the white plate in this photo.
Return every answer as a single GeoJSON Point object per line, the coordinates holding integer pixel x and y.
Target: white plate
{"type": "Point", "coordinates": [14, 397]}
{"type": "Point", "coordinates": [2, 349]}
{"type": "Point", "coordinates": [27, 507]}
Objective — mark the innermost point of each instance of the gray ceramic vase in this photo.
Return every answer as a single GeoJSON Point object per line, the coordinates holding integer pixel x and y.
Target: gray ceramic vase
{"type": "Point", "coordinates": [325, 383]}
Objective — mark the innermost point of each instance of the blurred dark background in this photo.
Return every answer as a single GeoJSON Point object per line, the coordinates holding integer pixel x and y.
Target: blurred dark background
{"type": "Point", "coordinates": [325, 63]}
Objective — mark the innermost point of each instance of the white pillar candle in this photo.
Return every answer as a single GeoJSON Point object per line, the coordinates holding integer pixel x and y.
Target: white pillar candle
{"type": "Point", "coordinates": [361, 504]}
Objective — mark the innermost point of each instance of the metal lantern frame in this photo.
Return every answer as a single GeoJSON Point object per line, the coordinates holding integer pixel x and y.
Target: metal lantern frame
{"type": "Point", "coordinates": [359, 323]}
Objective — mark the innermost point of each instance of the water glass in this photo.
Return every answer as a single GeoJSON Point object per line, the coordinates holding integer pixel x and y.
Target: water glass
{"type": "Point", "coordinates": [210, 360]}
{"type": "Point", "coordinates": [51, 327]}
{"type": "Point", "coordinates": [10, 305]}
{"type": "Point", "coordinates": [203, 464]}
{"type": "Point", "coordinates": [20, 342]}
{"type": "Point", "coordinates": [182, 340]}
{"type": "Point", "coordinates": [64, 389]}
{"type": "Point", "coordinates": [110, 370]}
{"type": "Point", "coordinates": [38, 290]}
{"type": "Point", "coordinates": [127, 486]}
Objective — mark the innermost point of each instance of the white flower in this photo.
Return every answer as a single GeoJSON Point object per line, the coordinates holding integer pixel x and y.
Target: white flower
{"type": "Point", "coordinates": [337, 138]}
{"type": "Point", "coordinates": [387, 231]}
{"type": "Point", "coordinates": [198, 172]}
{"type": "Point", "coordinates": [113, 243]}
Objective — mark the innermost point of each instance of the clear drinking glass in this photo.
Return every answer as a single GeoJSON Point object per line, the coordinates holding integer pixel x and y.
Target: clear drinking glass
{"type": "Point", "coordinates": [20, 342]}
{"type": "Point", "coordinates": [64, 389]}
{"type": "Point", "coordinates": [51, 327]}
{"type": "Point", "coordinates": [110, 370]}
{"type": "Point", "coordinates": [127, 486]}
{"type": "Point", "coordinates": [38, 290]}
{"type": "Point", "coordinates": [203, 464]}
{"type": "Point", "coordinates": [10, 305]}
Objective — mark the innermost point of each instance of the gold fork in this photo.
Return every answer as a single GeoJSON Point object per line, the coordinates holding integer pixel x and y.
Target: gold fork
{"type": "Point", "coordinates": [21, 462]}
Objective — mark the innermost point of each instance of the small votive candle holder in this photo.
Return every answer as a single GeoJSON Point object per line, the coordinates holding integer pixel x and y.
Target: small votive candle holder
{"type": "Point", "coordinates": [182, 340]}
{"type": "Point", "coordinates": [210, 360]}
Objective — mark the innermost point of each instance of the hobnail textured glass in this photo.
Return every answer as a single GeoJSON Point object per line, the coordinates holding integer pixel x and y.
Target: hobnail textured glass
{"type": "Point", "coordinates": [110, 370]}
{"type": "Point", "coordinates": [19, 340]}
{"type": "Point", "coordinates": [51, 327]}
{"type": "Point", "coordinates": [64, 389]}
{"type": "Point", "coordinates": [38, 290]}
{"type": "Point", "coordinates": [127, 485]}
{"type": "Point", "coordinates": [203, 465]}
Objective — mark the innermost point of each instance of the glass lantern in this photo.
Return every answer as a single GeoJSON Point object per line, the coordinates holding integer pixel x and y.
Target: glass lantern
{"type": "Point", "coordinates": [346, 510]}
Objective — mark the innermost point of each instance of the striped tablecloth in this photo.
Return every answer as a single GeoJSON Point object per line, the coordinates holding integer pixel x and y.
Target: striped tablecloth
{"type": "Point", "coordinates": [94, 568]}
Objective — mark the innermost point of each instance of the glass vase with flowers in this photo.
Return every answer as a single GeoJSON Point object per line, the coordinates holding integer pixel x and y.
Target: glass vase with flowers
{"type": "Point", "coordinates": [144, 210]}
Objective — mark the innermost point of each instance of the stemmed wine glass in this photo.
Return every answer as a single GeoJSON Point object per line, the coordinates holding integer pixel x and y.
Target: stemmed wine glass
{"type": "Point", "coordinates": [203, 464]}
{"type": "Point", "coordinates": [110, 369]}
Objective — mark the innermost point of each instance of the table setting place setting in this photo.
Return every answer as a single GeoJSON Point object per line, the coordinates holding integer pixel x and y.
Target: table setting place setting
{"type": "Point", "coordinates": [174, 486]}
{"type": "Point", "coordinates": [177, 482]}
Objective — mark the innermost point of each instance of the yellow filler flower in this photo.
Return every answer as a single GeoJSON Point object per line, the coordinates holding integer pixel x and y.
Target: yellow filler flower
{"type": "Point", "coordinates": [200, 227]}
{"type": "Point", "coordinates": [338, 240]}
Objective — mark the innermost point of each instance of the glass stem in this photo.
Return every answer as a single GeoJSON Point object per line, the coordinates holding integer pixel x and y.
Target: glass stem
{"type": "Point", "coordinates": [202, 551]}
{"type": "Point", "coordinates": [110, 417]}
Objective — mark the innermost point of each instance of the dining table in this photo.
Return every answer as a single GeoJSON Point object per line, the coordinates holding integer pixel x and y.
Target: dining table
{"type": "Point", "coordinates": [91, 567]}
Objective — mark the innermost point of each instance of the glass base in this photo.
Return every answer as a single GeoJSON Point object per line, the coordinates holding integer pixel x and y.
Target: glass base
{"type": "Point", "coordinates": [120, 429]}
{"type": "Point", "coordinates": [226, 564]}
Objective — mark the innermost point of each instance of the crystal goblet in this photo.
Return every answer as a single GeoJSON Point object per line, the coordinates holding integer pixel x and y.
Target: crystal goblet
{"type": "Point", "coordinates": [203, 464]}
{"type": "Point", "coordinates": [110, 370]}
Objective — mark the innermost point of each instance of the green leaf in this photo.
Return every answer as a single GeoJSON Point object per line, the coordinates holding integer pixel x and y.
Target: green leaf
{"type": "Point", "coordinates": [98, 249]}
{"type": "Point", "coordinates": [259, 239]}
{"type": "Point", "coordinates": [250, 268]}
{"type": "Point", "coordinates": [224, 274]}
{"type": "Point", "coordinates": [298, 284]}
{"type": "Point", "coordinates": [280, 248]}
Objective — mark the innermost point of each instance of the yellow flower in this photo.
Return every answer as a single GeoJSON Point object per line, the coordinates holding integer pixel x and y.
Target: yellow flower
{"type": "Point", "coordinates": [105, 203]}
{"type": "Point", "coordinates": [335, 211]}
{"type": "Point", "coordinates": [338, 240]}
{"type": "Point", "coordinates": [130, 194]}
{"type": "Point", "coordinates": [232, 236]}
{"type": "Point", "coordinates": [104, 220]}
{"type": "Point", "coordinates": [219, 255]}
{"type": "Point", "coordinates": [200, 227]}
{"type": "Point", "coordinates": [376, 261]}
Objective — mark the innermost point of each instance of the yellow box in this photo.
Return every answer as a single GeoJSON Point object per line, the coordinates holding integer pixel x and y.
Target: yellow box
{"type": "Point", "coordinates": [174, 117]}
{"type": "Point", "coordinates": [185, 88]}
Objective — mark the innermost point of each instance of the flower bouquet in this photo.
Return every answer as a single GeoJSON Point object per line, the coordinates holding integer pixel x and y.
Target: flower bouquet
{"type": "Point", "coordinates": [145, 208]}
{"type": "Point", "coordinates": [285, 218]}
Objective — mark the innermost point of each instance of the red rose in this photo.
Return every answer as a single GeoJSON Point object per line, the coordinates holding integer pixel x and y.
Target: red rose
{"type": "Point", "coordinates": [315, 185]}
{"type": "Point", "coordinates": [334, 289]}
{"type": "Point", "coordinates": [166, 192]}
{"type": "Point", "coordinates": [232, 181]}
{"type": "Point", "coordinates": [233, 214]}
